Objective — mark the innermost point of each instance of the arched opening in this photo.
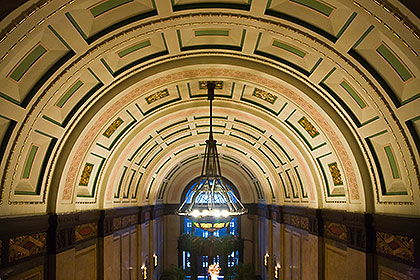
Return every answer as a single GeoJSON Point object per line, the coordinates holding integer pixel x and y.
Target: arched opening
{"type": "Point", "coordinates": [198, 248]}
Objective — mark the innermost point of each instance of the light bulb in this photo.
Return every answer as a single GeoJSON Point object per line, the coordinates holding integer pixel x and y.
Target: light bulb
{"type": "Point", "coordinates": [225, 213]}
{"type": "Point", "coordinates": [195, 213]}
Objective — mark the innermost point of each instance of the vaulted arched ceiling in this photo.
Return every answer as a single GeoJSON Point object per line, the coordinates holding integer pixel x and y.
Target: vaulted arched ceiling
{"type": "Point", "coordinates": [103, 103]}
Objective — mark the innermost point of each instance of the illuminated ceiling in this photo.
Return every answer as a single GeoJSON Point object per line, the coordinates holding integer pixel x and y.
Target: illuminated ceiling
{"type": "Point", "coordinates": [103, 104]}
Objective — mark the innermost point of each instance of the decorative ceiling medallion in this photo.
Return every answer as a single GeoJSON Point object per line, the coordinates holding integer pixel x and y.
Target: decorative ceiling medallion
{"type": "Point", "coordinates": [87, 171]}
{"type": "Point", "coordinates": [266, 96]}
{"type": "Point", "coordinates": [203, 84]}
{"type": "Point", "coordinates": [156, 96]}
{"type": "Point", "coordinates": [308, 126]}
{"type": "Point", "coordinates": [335, 173]}
{"type": "Point", "coordinates": [114, 126]}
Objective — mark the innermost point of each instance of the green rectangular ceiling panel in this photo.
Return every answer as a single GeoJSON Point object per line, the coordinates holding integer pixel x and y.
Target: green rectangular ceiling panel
{"type": "Point", "coordinates": [392, 162]}
{"type": "Point", "coordinates": [211, 32]}
{"type": "Point", "coordinates": [24, 66]}
{"type": "Point", "coordinates": [289, 48]}
{"type": "Point", "coordinates": [69, 94]}
{"type": "Point", "coordinates": [394, 62]}
{"type": "Point", "coordinates": [29, 162]}
{"type": "Point", "coordinates": [353, 94]}
{"type": "Point", "coordinates": [107, 6]}
{"type": "Point", "coordinates": [315, 5]}
{"type": "Point", "coordinates": [134, 48]}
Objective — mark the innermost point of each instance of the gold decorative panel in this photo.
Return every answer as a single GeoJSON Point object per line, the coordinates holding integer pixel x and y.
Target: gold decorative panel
{"type": "Point", "coordinates": [308, 126]}
{"type": "Point", "coordinates": [86, 231]}
{"type": "Point", "coordinates": [114, 126]}
{"type": "Point", "coordinates": [395, 245]}
{"type": "Point", "coordinates": [27, 245]}
{"type": "Point", "coordinates": [87, 171]}
{"type": "Point", "coordinates": [335, 230]}
{"type": "Point", "coordinates": [266, 96]}
{"type": "Point", "coordinates": [156, 96]}
{"type": "Point", "coordinates": [335, 173]}
{"type": "Point", "coordinates": [203, 84]}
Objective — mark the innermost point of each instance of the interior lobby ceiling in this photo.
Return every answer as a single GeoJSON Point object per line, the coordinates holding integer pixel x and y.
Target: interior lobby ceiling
{"type": "Point", "coordinates": [103, 103]}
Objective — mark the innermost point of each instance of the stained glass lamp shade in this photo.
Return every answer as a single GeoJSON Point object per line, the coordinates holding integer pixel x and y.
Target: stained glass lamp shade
{"type": "Point", "coordinates": [211, 205]}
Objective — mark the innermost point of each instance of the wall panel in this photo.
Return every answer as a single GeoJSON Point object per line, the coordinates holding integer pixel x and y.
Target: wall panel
{"type": "Point", "coordinates": [86, 263]}
{"type": "Point", "coordinates": [125, 256]}
{"type": "Point", "coordinates": [335, 261]}
{"type": "Point", "coordinates": [310, 257]}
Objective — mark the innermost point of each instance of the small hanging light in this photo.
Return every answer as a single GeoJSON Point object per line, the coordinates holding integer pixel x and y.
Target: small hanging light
{"type": "Point", "coordinates": [211, 205]}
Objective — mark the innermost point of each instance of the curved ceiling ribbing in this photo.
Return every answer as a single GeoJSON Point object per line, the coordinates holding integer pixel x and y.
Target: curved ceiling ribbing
{"type": "Point", "coordinates": [319, 107]}
{"type": "Point", "coordinates": [260, 131]}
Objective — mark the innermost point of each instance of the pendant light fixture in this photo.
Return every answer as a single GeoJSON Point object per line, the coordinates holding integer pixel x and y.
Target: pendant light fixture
{"type": "Point", "coordinates": [211, 205]}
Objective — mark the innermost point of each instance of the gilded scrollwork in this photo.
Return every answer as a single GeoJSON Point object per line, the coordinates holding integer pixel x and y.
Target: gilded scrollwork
{"type": "Point", "coordinates": [156, 96]}
{"type": "Point", "coordinates": [308, 126]}
{"type": "Point", "coordinates": [113, 127]}
{"type": "Point", "coordinates": [87, 171]}
{"type": "Point", "coordinates": [264, 95]}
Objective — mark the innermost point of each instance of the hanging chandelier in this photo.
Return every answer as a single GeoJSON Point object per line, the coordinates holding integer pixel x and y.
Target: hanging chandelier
{"type": "Point", "coordinates": [211, 205]}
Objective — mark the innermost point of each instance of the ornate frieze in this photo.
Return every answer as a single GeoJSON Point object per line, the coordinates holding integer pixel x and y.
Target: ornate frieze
{"type": "Point", "coordinates": [297, 221]}
{"type": "Point", "coordinates": [335, 231]}
{"type": "Point", "coordinates": [398, 246]}
{"type": "Point", "coordinates": [304, 223]}
{"type": "Point", "coordinates": [117, 223]}
{"type": "Point", "coordinates": [123, 222]}
{"type": "Point", "coordinates": [64, 239]}
{"type": "Point", "coordinates": [357, 238]}
{"type": "Point", "coordinates": [86, 231]}
{"type": "Point", "coordinates": [27, 245]}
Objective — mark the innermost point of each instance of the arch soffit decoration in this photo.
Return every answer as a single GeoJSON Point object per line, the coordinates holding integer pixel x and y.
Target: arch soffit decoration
{"type": "Point", "coordinates": [70, 89]}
